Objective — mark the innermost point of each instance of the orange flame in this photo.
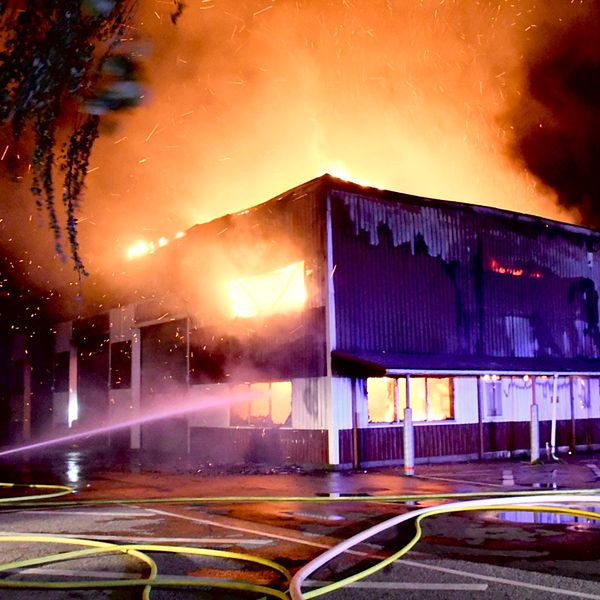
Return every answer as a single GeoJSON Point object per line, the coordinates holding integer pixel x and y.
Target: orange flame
{"type": "Point", "coordinates": [278, 291]}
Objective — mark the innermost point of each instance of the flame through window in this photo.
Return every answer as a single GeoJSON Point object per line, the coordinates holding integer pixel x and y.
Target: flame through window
{"type": "Point", "coordinates": [279, 291]}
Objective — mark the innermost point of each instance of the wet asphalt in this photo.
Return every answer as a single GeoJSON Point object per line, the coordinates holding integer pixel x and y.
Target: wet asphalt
{"type": "Point", "coordinates": [488, 554]}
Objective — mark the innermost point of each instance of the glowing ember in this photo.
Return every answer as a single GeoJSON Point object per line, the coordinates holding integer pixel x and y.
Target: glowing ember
{"type": "Point", "coordinates": [515, 272]}
{"type": "Point", "coordinates": [142, 247]}
{"type": "Point", "coordinates": [339, 171]}
{"type": "Point", "coordinates": [279, 291]}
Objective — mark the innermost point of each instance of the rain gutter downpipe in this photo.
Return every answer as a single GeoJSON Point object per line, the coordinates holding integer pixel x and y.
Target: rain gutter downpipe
{"type": "Point", "coordinates": [480, 419]}
{"type": "Point", "coordinates": [534, 431]}
{"type": "Point", "coordinates": [553, 425]}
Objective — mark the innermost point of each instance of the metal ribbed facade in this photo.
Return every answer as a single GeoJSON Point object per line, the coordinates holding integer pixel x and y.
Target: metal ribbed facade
{"type": "Point", "coordinates": [455, 284]}
{"type": "Point", "coordinates": [273, 446]}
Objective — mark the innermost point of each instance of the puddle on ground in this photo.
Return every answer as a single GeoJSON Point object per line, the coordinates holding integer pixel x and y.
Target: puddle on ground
{"type": "Point", "coordinates": [341, 495]}
{"type": "Point", "coordinates": [552, 518]}
{"type": "Point", "coordinates": [546, 486]}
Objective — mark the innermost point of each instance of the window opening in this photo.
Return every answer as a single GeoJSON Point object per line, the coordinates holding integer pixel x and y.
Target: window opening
{"type": "Point", "coordinates": [269, 404]}
{"type": "Point", "coordinates": [431, 399]}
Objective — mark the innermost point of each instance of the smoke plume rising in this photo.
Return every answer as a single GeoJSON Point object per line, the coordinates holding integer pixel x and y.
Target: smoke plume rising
{"type": "Point", "coordinates": [247, 98]}
{"type": "Point", "coordinates": [556, 118]}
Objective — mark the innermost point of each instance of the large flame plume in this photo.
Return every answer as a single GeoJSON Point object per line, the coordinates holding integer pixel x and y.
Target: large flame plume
{"type": "Point", "coordinates": [247, 98]}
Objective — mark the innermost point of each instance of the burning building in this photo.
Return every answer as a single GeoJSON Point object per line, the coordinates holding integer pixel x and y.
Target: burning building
{"type": "Point", "coordinates": [342, 325]}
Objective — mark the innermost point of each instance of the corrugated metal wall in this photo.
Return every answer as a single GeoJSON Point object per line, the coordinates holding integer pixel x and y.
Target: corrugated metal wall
{"type": "Point", "coordinates": [310, 403]}
{"type": "Point", "coordinates": [271, 446]}
{"type": "Point", "coordinates": [467, 283]}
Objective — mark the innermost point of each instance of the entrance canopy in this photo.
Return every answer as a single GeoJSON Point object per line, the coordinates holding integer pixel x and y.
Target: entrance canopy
{"type": "Point", "coordinates": [378, 364]}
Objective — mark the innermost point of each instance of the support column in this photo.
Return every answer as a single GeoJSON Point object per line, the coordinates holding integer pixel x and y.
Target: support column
{"type": "Point", "coordinates": [408, 438]}
{"type": "Point", "coordinates": [480, 418]}
{"type": "Point", "coordinates": [355, 433]}
{"type": "Point", "coordinates": [534, 427]}
{"type": "Point", "coordinates": [573, 440]}
{"type": "Point", "coordinates": [553, 422]}
{"type": "Point", "coordinates": [333, 438]}
{"type": "Point", "coordinates": [73, 405]}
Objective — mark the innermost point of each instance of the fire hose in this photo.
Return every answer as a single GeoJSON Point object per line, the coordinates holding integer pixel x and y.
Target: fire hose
{"type": "Point", "coordinates": [484, 501]}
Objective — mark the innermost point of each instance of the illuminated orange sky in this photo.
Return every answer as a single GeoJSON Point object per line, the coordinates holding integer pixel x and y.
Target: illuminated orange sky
{"type": "Point", "coordinates": [247, 98]}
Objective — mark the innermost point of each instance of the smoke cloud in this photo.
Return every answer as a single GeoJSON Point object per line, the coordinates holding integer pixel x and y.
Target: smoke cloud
{"type": "Point", "coordinates": [557, 116]}
{"type": "Point", "coordinates": [248, 98]}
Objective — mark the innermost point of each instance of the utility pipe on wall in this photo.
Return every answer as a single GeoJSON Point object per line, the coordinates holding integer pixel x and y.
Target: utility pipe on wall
{"type": "Point", "coordinates": [480, 418]}
{"type": "Point", "coordinates": [554, 401]}
{"type": "Point", "coordinates": [534, 431]}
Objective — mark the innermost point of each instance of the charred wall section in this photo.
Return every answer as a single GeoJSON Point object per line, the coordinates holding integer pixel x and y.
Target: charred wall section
{"type": "Point", "coordinates": [276, 344]}
{"type": "Point", "coordinates": [464, 286]}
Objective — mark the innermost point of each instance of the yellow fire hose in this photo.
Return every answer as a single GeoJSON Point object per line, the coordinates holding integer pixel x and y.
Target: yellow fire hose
{"type": "Point", "coordinates": [140, 551]}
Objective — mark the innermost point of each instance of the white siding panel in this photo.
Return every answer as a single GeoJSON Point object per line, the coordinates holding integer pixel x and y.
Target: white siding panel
{"type": "Point", "coordinates": [341, 391]}
{"type": "Point", "coordinates": [586, 398]}
{"type": "Point", "coordinates": [310, 399]}
{"type": "Point", "coordinates": [544, 391]}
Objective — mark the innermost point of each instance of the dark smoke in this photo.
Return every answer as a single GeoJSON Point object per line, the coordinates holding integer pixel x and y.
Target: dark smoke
{"type": "Point", "coordinates": [557, 119]}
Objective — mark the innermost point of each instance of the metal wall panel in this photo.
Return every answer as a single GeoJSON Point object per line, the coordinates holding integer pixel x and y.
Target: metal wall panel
{"type": "Point", "coordinates": [270, 446]}
{"type": "Point", "coordinates": [444, 439]}
{"type": "Point", "coordinates": [416, 277]}
{"type": "Point", "coordinates": [381, 444]}
{"type": "Point", "coordinates": [310, 403]}
{"type": "Point", "coordinates": [587, 433]}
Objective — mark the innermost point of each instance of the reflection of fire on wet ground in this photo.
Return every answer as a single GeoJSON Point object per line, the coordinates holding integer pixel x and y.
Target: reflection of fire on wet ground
{"type": "Point", "coordinates": [550, 518]}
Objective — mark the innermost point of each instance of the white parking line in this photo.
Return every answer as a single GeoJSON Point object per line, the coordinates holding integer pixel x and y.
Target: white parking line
{"type": "Point", "coordinates": [594, 468]}
{"type": "Point", "coordinates": [93, 513]}
{"type": "Point", "coordinates": [277, 536]}
{"type": "Point", "coordinates": [404, 585]}
{"type": "Point", "coordinates": [87, 575]}
{"type": "Point", "coordinates": [144, 540]}
{"type": "Point", "coordinates": [508, 477]}
{"type": "Point", "coordinates": [502, 580]}
{"type": "Point", "coordinates": [365, 585]}
{"type": "Point", "coordinates": [452, 480]}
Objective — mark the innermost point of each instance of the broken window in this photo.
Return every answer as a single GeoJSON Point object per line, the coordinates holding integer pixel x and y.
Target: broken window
{"type": "Point", "coordinates": [431, 399]}
{"type": "Point", "coordinates": [385, 404]}
{"type": "Point", "coordinates": [440, 400]}
{"type": "Point", "coordinates": [263, 404]}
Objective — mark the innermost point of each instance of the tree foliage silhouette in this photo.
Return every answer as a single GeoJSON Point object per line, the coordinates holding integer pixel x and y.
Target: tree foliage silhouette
{"type": "Point", "coordinates": [63, 65]}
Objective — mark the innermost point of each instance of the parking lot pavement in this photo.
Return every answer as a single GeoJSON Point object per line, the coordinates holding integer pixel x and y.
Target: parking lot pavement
{"type": "Point", "coordinates": [95, 474]}
{"type": "Point", "coordinates": [572, 471]}
{"type": "Point", "coordinates": [477, 556]}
